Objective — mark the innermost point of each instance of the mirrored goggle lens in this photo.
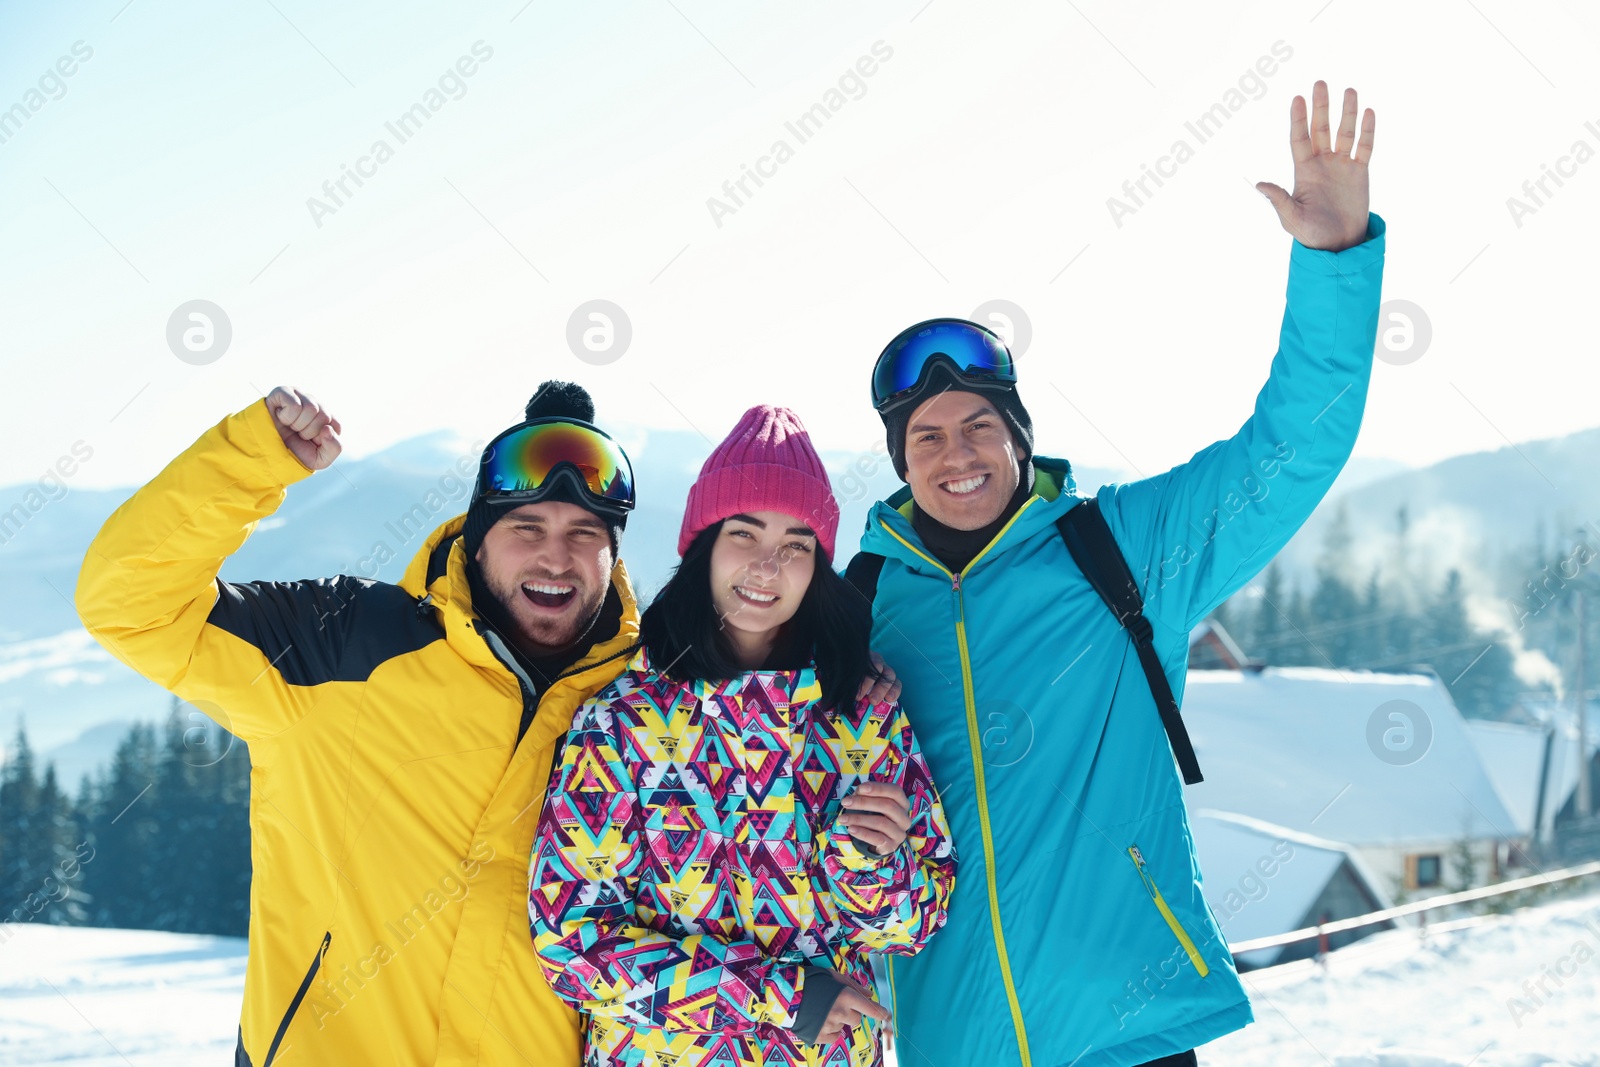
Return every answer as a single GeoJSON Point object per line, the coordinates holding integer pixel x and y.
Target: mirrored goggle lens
{"type": "Point", "coordinates": [972, 351]}
{"type": "Point", "coordinates": [524, 459]}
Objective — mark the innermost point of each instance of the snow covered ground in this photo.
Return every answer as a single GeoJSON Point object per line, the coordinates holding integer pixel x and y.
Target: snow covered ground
{"type": "Point", "coordinates": [118, 998]}
{"type": "Point", "coordinates": [1513, 991]}
{"type": "Point", "coordinates": [1521, 990]}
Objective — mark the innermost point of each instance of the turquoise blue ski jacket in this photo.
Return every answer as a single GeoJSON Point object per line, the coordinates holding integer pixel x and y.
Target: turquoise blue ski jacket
{"type": "Point", "coordinates": [1078, 933]}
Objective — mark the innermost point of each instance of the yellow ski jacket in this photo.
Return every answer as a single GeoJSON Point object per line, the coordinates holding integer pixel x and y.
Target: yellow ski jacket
{"type": "Point", "coordinates": [392, 808]}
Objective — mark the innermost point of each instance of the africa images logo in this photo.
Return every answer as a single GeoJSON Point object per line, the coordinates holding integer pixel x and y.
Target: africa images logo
{"type": "Point", "coordinates": [1203, 128]}
{"type": "Point", "coordinates": [403, 128]}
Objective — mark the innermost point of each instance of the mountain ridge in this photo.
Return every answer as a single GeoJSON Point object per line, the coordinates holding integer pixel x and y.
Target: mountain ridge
{"type": "Point", "coordinates": [67, 687]}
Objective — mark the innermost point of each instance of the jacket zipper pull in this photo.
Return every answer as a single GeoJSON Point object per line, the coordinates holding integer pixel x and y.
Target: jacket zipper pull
{"type": "Point", "coordinates": [1166, 913]}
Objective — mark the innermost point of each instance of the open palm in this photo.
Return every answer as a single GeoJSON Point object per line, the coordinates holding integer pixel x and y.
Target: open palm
{"type": "Point", "coordinates": [1328, 209]}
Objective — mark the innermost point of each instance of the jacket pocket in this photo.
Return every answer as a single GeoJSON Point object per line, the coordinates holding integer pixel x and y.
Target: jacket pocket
{"type": "Point", "coordinates": [1166, 913]}
{"type": "Point", "coordinates": [299, 995]}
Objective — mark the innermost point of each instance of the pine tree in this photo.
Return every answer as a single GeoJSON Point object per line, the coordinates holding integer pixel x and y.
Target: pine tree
{"type": "Point", "coordinates": [160, 840]}
{"type": "Point", "coordinates": [1333, 601]}
{"type": "Point", "coordinates": [1445, 619]}
{"type": "Point", "coordinates": [39, 875]}
{"type": "Point", "coordinates": [202, 815]}
{"type": "Point", "coordinates": [1475, 665]}
{"type": "Point", "coordinates": [1267, 628]}
{"type": "Point", "coordinates": [1368, 645]}
{"type": "Point", "coordinates": [229, 884]}
{"type": "Point", "coordinates": [1297, 648]}
{"type": "Point", "coordinates": [181, 838]}
{"type": "Point", "coordinates": [1400, 623]}
{"type": "Point", "coordinates": [20, 878]}
{"type": "Point", "coordinates": [58, 854]}
{"type": "Point", "coordinates": [125, 888]}
{"type": "Point", "coordinates": [1463, 864]}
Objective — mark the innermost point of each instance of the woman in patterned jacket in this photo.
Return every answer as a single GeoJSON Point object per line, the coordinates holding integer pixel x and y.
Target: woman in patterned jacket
{"type": "Point", "coordinates": [731, 831]}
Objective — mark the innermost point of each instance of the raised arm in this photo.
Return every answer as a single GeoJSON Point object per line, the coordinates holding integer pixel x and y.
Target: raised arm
{"type": "Point", "coordinates": [148, 589]}
{"type": "Point", "coordinates": [1197, 533]}
{"type": "Point", "coordinates": [595, 952]}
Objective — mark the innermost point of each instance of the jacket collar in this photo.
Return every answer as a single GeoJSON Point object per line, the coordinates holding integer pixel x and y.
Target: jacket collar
{"type": "Point", "coordinates": [797, 686]}
{"type": "Point", "coordinates": [889, 532]}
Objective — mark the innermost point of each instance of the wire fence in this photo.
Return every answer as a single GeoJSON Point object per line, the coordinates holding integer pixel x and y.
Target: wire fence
{"type": "Point", "coordinates": [1416, 907]}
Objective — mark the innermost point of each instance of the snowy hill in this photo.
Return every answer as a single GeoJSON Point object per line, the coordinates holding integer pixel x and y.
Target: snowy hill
{"type": "Point", "coordinates": [128, 998]}
{"type": "Point", "coordinates": [1465, 511]}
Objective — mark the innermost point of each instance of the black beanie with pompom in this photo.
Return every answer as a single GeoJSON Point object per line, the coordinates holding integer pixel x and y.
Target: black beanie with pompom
{"type": "Point", "coordinates": [553, 399]}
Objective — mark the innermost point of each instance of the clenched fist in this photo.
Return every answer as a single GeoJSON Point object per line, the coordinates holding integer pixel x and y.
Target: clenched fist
{"type": "Point", "coordinates": [305, 426]}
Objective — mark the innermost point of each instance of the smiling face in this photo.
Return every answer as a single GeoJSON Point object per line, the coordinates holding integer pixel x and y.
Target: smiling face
{"type": "Point", "coordinates": [549, 566]}
{"type": "Point", "coordinates": [761, 567]}
{"type": "Point", "coordinates": [961, 460]}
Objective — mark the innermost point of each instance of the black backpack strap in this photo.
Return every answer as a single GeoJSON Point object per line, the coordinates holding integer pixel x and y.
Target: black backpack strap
{"type": "Point", "coordinates": [1095, 551]}
{"type": "Point", "coordinates": [862, 572]}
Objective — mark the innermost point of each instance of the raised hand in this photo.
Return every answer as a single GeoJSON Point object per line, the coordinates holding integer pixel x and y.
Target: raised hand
{"type": "Point", "coordinates": [1328, 209]}
{"type": "Point", "coordinates": [305, 426]}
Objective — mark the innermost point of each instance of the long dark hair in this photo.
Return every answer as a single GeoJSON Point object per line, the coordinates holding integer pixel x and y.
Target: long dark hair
{"type": "Point", "coordinates": [685, 639]}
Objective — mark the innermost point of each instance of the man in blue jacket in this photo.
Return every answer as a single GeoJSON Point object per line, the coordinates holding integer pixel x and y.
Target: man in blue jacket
{"type": "Point", "coordinates": [1078, 934]}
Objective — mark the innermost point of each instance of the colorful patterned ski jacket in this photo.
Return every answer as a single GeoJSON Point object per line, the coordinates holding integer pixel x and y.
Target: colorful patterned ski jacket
{"type": "Point", "coordinates": [688, 866]}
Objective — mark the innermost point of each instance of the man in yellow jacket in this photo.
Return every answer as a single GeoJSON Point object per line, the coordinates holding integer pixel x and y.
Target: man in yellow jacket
{"type": "Point", "coordinates": [400, 736]}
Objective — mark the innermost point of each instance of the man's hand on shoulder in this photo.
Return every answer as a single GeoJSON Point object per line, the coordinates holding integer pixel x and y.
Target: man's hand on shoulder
{"type": "Point", "coordinates": [307, 429]}
{"type": "Point", "coordinates": [1328, 209]}
{"type": "Point", "coordinates": [881, 686]}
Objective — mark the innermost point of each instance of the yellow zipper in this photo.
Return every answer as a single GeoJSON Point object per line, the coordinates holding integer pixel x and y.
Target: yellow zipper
{"type": "Point", "coordinates": [1166, 913]}
{"type": "Point", "coordinates": [975, 746]}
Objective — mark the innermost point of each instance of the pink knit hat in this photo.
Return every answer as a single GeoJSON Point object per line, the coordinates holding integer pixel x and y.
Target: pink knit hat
{"type": "Point", "coordinates": [766, 463]}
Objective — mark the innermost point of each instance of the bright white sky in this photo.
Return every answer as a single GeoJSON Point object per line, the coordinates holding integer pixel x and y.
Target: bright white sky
{"type": "Point", "coordinates": [975, 165]}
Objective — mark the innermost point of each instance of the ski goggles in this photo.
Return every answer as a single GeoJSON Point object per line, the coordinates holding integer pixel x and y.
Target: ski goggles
{"type": "Point", "coordinates": [525, 461]}
{"type": "Point", "coordinates": [977, 355]}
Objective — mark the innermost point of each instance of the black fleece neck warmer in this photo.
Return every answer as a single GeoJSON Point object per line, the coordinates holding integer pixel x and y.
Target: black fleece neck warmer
{"type": "Point", "coordinates": [956, 548]}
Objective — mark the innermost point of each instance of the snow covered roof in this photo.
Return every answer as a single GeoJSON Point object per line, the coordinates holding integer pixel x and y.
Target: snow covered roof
{"type": "Point", "coordinates": [1513, 755]}
{"type": "Point", "coordinates": [1561, 778]}
{"type": "Point", "coordinates": [1375, 760]}
{"type": "Point", "coordinates": [1261, 878]}
{"type": "Point", "coordinates": [1226, 651]}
